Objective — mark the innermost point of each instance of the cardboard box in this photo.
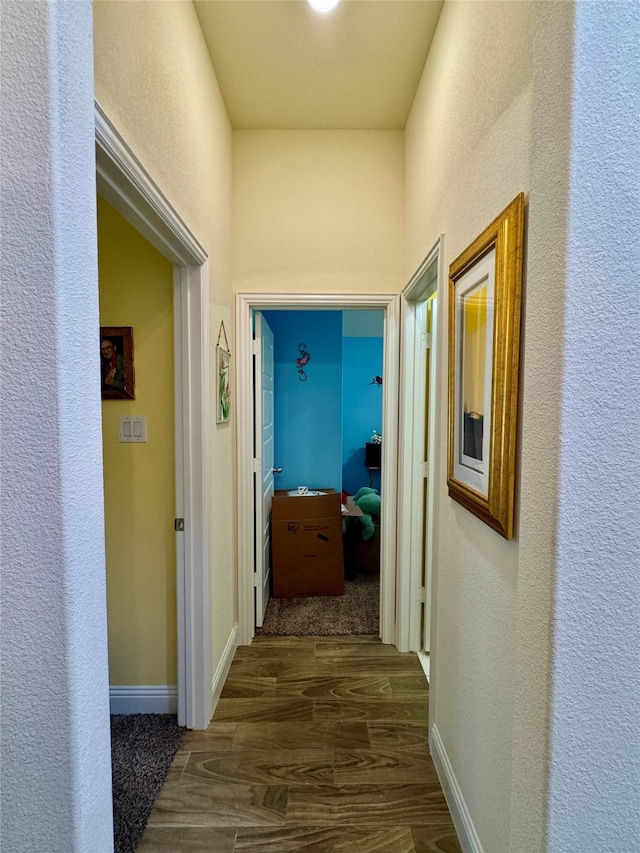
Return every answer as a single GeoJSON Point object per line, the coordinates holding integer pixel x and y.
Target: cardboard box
{"type": "Point", "coordinates": [306, 537]}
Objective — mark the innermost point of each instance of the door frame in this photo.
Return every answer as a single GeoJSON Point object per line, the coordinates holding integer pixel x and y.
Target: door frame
{"type": "Point", "coordinates": [410, 506]}
{"type": "Point", "coordinates": [245, 304]}
{"type": "Point", "coordinates": [124, 182]}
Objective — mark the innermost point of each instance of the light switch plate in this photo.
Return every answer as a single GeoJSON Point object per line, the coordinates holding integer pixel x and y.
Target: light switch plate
{"type": "Point", "coordinates": [132, 428]}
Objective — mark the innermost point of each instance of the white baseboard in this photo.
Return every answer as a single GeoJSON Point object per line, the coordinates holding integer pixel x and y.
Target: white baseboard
{"type": "Point", "coordinates": [143, 699]}
{"type": "Point", "coordinates": [467, 835]}
{"type": "Point", "coordinates": [222, 670]}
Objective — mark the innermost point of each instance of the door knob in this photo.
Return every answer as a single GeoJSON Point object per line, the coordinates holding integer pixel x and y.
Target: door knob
{"type": "Point", "coordinates": [276, 470]}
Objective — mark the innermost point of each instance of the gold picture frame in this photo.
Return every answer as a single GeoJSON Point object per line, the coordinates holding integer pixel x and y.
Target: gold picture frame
{"type": "Point", "coordinates": [485, 284]}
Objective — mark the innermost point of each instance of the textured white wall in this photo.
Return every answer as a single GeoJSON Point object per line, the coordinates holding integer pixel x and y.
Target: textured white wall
{"type": "Point", "coordinates": [467, 156]}
{"type": "Point", "coordinates": [56, 772]}
{"type": "Point", "coordinates": [541, 398]}
{"type": "Point", "coordinates": [154, 79]}
{"type": "Point", "coordinates": [318, 211]}
{"type": "Point", "coordinates": [595, 734]}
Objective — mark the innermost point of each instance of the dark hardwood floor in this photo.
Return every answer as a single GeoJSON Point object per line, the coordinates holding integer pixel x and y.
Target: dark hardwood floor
{"type": "Point", "coordinates": [317, 744]}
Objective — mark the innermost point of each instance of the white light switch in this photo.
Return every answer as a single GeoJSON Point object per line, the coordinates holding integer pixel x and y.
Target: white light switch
{"type": "Point", "coordinates": [132, 428]}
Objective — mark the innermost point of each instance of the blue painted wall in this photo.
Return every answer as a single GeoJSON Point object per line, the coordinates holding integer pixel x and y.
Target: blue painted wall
{"type": "Point", "coordinates": [308, 415]}
{"type": "Point", "coordinates": [362, 412]}
{"type": "Point", "coordinates": [322, 424]}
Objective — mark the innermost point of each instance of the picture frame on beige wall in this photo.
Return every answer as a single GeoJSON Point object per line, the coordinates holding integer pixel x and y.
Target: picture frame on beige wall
{"type": "Point", "coordinates": [485, 295]}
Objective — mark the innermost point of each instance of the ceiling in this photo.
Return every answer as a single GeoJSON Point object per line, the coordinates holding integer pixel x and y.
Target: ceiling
{"type": "Point", "coordinates": [280, 65]}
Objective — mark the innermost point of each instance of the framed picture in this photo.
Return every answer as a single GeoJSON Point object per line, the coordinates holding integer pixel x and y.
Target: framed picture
{"type": "Point", "coordinates": [223, 360]}
{"type": "Point", "coordinates": [116, 363]}
{"type": "Point", "coordinates": [485, 284]}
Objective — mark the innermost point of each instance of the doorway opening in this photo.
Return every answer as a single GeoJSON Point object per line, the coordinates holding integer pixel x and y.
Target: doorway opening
{"type": "Point", "coordinates": [318, 426]}
{"type": "Point", "coordinates": [135, 285]}
{"type": "Point", "coordinates": [248, 462]}
{"type": "Point", "coordinates": [418, 474]}
{"type": "Point", "coordinates": [126, 185]}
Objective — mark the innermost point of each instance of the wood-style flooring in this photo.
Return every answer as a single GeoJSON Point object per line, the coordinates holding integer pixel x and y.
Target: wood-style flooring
{"type": "Point", "coordinates": [317, 744]}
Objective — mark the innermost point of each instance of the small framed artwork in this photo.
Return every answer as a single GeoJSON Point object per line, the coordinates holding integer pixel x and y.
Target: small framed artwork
{"type": "Point", "coordinates": [116, 363]}
{"type": "Point", "coordinates": [223, 360]}
{"type": "Point", "coordinates": [485, 284]}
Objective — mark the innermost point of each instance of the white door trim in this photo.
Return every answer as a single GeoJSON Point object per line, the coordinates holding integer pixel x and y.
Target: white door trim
{"type": "Point", "coordinates": [128, 187]}
{"type": "Point", "coordinates": [409, 501]}
{"type": "Point", "coordinates": [245, 303]}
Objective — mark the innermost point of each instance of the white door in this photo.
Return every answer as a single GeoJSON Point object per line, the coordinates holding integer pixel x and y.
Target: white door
{"type": "Point", "coordinates": [263, 463]}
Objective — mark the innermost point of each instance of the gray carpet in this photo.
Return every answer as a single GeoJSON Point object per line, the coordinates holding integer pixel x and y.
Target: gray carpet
{"type": "Point", "coordinates": [142, 749]}
{"type": "Point", "coordinates": [355, 612]}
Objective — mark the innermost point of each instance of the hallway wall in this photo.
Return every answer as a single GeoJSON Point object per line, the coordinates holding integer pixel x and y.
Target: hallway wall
{"type": "Point", "coordinates": [584, 226]}
{"type": "Point", "coordinates": [467, 156]}
{"type": "Point", "coordinates": [318, 211]}
{"type": "Point", "coordinates": [55, 750]}
{"type": "Point", "coordinates": [154, 79]}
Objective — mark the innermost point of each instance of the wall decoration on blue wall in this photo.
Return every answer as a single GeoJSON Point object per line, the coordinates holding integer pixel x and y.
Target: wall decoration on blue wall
{"type": "Point", "coordinates": [308, 415]}
{"type": "Point", "coordinates": [321, 427]}
{"type": "Point", "coordinates": [377, 380]}
{"type": "Point", "coordinates": [302, 361]}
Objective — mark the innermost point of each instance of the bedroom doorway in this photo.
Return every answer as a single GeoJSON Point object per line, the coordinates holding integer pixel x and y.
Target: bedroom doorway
{"type": "Point", "coordinates": [318, 383]}
{"type": "Point", "coordinates": [246, 306]}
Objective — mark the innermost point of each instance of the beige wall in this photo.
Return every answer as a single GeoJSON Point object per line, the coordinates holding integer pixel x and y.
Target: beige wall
{"type": "Point", "coordinates": [318, 211]}
{"type": "Point", "coordinates": [136, 289]}
{"type": "Point", "coordinates": [467, 156]}
{"type": "Point", "coordinates": [153, 78]}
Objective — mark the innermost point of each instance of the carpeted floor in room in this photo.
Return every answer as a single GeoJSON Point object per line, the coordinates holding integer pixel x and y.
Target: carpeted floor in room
{"type": "Point", "coordinates": [142, 749]}
{"type": "Point", "coordinates": [357, 612]}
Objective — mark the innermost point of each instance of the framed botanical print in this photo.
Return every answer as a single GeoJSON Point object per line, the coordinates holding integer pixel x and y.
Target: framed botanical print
{"type": "Point", "coordinates": [223, 360]}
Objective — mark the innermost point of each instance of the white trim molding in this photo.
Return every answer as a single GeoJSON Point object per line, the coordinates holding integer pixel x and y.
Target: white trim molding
{"type": "Point", "coordinates": [192, 398]}
{"type": "Point", "coordinates": [143, 699]}
{"type": "Point", "coordinates": [220, 675]}
{"type": "Point", "coordinates": [245, 304]}
{"type": "Point", "coordinates": [467, 834]}
{"type": "Point", "coordinates": [415, 530]}
{"type": "Point", "coordinates": [126, 184]}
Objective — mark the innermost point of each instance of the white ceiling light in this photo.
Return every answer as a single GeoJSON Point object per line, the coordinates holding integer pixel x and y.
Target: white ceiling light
{"type": "Point", "coordinates": [323, 5]}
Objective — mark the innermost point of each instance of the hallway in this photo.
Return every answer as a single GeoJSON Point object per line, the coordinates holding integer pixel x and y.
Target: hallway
{"type": "Point", "coordinates": [316, 744]}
